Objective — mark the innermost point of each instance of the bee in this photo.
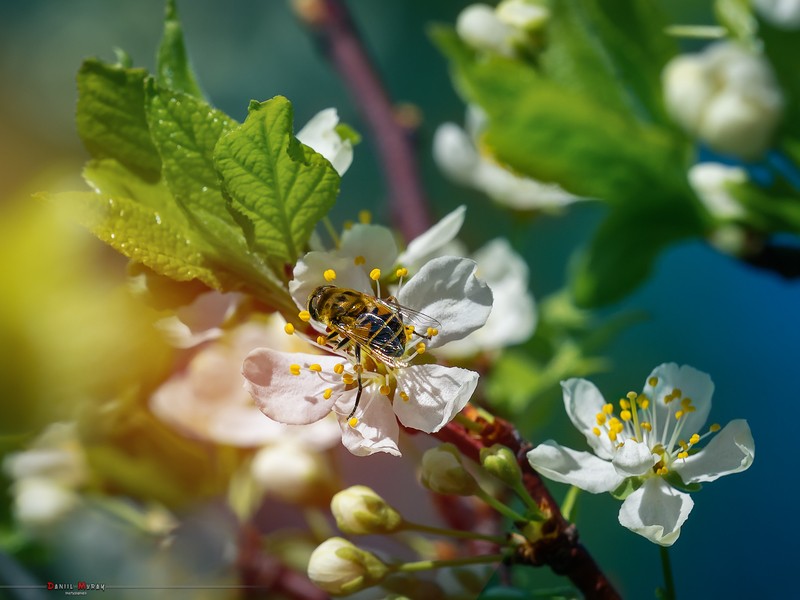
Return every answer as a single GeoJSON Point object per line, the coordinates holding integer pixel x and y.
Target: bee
{"type": "Point", "coordinates": [379, 328]}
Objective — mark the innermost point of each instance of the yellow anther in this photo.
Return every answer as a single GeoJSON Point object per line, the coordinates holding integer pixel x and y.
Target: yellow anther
{"type": "Point", "coordinates": [690, 409]}
{"type": "Point", "coordinates": [294, 369]}
{"type": "Point", "coordinates": [683, 454]}
{"type": "Point", "coordinates": [683, 444]}
{"type": "Point", "coordinates": [652, 382]}
{"type": "Point", "coordinates": [420, 348]}
{"type": "Point", "coordinates": [678, 415]}
{"type": "Point", "coordinates": [321, 340]}
{"type": "Point", "coordinates": [600, 418]}
{"type": "Point", "coordinates": [304, 316]}
{"type": "Point", "coordinates": [347, 225]}
{"type": "Point", "coordinates": [608, 408]}
{"type": "Point", "coordinates": [694, 439]}
{"type": "Point", "coordinates": [327, 394]}
{"type": "Point", "coordinates": [631, 396]}
{"type": "Point", "coordinates": [662, 471]}
{"type": "Point", "coordinates": [432, 331]}
{"type": "Point", "coordinates": [375, 274]}
{"type": "Point", "coordinates": [643, 401]}
{"type": "Point", "coordinates": [715, 427]}
{"type": "Point", "coordinates": [686, 402]}
{"type": "Point", "coordinates": [404, 396]}
{"type": "Point", "coordinates": [624, 404]}
{"type": "Point", "coordinates": [329, 275]}
{"type": "Point", "coordinates": [596, 431]}
{"type": "Point", "coordinates": [352, 422]}
{"type": "Point", "coordinates": [365, 217]}
{"type": "Point", "coordinates": [358, 368]}
{"type": "Point", "coordinates": [612, 435]}
{"type": "Point", "coordinates": [348, 379]}
{"type": "Point", "coordinates": [409, 330]}
{"type": "Point", "coordinates": [646, 426]}
{"type": "Point", "coordinates": [615, 424]}
{"type": "Point", "coordinates": [315, 367]}
{"type": "Point", "coordinates": [288, 328]}
{"type": "Point", "coordinates": [338, 369]}
{"type": "Point", "coordinates": [359, 260]}
{"type": "Point", "coordinates": [677, 393]}
{"type": "Point", "coordinates": [625, 415]}
{"type": "Point", "coordinates": [384, 390]}
{"type": "Point", "coordinates": [401, 272]}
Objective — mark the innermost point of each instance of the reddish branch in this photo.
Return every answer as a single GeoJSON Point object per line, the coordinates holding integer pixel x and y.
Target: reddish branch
{"type": "Point", "coordinates": [559, 549]}
{"type": "Point", "coordinates": [337, 35]}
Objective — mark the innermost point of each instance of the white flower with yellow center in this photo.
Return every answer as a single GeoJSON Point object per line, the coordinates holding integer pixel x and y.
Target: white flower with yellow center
{"type": "Point", "coordinates": [304, 388]}
{"type": "Point", "coordinates": [650, 446]}
{"type": "Point", "coordinates": [321, 135]}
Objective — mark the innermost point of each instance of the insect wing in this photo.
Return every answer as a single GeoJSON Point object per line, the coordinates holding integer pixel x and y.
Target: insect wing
{"type": "Point", "coordinates": [371, 333]}
{"type": "Point", "coordinates": [420, 321]}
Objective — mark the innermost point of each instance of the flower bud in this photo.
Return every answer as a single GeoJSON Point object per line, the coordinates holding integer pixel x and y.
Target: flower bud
{"type": "Point", "coordinates": [320, 133]}
{"type": "Point", "coordinates": [501, 462]}
{"type": "Point", "coordinates": [523, 14]}
{"type": "Point", "coordinates": [783, 14]}
{"type": "Point", "coordinates": [339, 567]}
{"type": "Point", "coordinates": [359, 510]}
{"type": "Point", "coordinates": [709, 181]}
{"type": "Point", "coordinates": [479, 27]}
{"type": "Point", "coordinates": [726, 96]}
{"type": "Point", "coordinates": [443, 473]}
{"type": "Point", "coordinates": [292, 473]}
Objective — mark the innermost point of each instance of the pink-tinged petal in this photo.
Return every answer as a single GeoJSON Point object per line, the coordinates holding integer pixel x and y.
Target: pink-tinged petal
{"type": "Point", "coordinates": [730, 451]}
{"type": "Point", "coordinates": [376, 430]}
{"type": "Point", "coordinates": [288, 398]}
{"type": "Point", "coordinates": [692, 383]}
{"type": "Point", "coordinates": [447, 290]}
{"type": "Point", "coordinates": [656, 511]}
{"type": "Point", "coordinates": [581, 469]}
{"type": "Point", "coordinates": [436, 394]}
{"type": "Point", "coordinates": [634, 459]}
{"type": "Point", "coordinates": [376, 244]}
{"type": "Point", "coordinates": [429, 243]}
{"type": "Point", "coordinates": [583, 401]}
{"type": "Point", "coordinates": [309, 275]}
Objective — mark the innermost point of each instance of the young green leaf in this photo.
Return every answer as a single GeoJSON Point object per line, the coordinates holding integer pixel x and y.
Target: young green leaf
{"type": "Point", "coordinates": [110, 117]}
{"type": "Point", "coordinates": [277, 185]}
{"type": "Point", "coordinates": [172, 63]}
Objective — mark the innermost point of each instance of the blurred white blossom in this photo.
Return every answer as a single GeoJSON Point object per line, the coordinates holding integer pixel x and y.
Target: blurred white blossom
{"type": "Point", "coordinates": [709, 181]}
{"type": "Point", "coordinates": [320, 133]}
{"type": "Point", "coordinates": [500, 29]}
{"type": "Point", "coordinates": [456, 152]}
{"type": "Point", "coordinates": [726, 96]}
{"type": "Point", "coordinates": [784, 14]}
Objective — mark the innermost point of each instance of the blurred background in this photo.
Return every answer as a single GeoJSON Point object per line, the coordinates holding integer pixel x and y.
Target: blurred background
{"type": "Point", "coordinates": [67, 333]}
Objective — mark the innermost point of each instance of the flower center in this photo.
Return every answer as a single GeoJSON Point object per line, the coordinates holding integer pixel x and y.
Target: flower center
{"type": "Point", "coordinates": [637, 420]}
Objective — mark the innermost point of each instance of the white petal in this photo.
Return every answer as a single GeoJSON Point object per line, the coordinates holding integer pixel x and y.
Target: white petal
{"type": "Point", "coordinates": [633, 459]}
{"type": "Point", "coordinates": [373, 242]}
{"type": "Point", "coordinates": [454, 153]}
{"type": "Point", "coordinates": [730, 451]}
{"type": "Point", "coordinates": [428, 244]}
{"type": "Point", "coordinates": [308, 275]}
{"type": "Point", "coordinates": [582, 401]}
{"type": "Point", "coordinates": [376, 430]}
{"type": "Point", "coordinates": [656, 511]}
{"type": "Point", "coordinates": [693, 384]}
{"type": "Point", "coordinates": [447, 289]}
{"type": "Point", "coordinates": [518, 192]}
{"type": "Point", "coordinates": [479, 27]}
{"type": "Point", "coordinates": [320, 134]}
{"type": "Point", "coordinates": [436, 394]}
{"type": "Point", "coordinates": [709, 181]}
{"type": "Point", "coordinates": [581, 469]}
{"type": "Point", "coordinates": [287, 398]}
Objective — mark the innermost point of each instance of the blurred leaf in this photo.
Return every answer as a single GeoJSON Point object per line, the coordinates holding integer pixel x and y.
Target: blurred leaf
{"type": "Point", "coordinates": [110, 117]}
{"type": "Point", "coordinates": [770, 213]}
{"type": "Point", "coordinates": [141, 221]}
{"type": "Point", "coordinates": [782, 47]}
{"type": "Point", "coordinates": [737, 17]}
{"type": "Point", "coordinates": [611, 50]}
{"type": "Point", "coordinates": [278, 187]}
{"type": "Point", "coordinates": [172, 64]}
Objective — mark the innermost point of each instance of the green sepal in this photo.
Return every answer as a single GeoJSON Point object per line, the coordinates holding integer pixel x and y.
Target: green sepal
{"type": "Point", "coordinates": [627, 487]}
{"type": "Point", "coordinates": [111, 120]}
{"type": "Point", "coordinates": [278, 188]}
{"type": "Point", "coordinates": [674, 479]}
{"type": "Point", "coordinates": [347, 133]}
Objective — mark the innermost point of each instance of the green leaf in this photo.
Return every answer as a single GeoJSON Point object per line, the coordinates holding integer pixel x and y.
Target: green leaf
{"type": "Point", "coordinates": [737, 17]}
{"type": "Point", "coordinates": [141, 221]}
{"type": "Point", "coordinates": [110, 117]}
{"type": "Point", "coordinates": [173, 67]}
{"type": "Point", "coordinates": [186, 130]}
{"type": "Point", "coordinates": [769, 212]}
{"type": "Point", "coordinates": [782, 47]}
{"type": "Point", "coordinates": [279, 187]}
{"type": "Point", "coordinates": [612, 51]}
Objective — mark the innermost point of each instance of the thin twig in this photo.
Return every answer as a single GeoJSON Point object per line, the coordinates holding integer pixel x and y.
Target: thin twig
{"type": "Point", "coordinates": [336, 34]}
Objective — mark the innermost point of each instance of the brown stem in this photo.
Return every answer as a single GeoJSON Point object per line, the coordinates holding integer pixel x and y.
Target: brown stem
{"type": "Point", "coordinates": [336, 34]}
{"type": "Point", "coordinates": [559, 547]}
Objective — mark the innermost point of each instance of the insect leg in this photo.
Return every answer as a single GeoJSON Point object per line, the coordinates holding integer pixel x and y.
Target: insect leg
{"type": "Point", "coordinates": [360, 387]}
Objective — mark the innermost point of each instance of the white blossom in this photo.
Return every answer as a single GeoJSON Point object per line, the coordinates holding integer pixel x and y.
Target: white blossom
{"type": "Point", "coordinates": [726, 96]}
{"type": "Point", "coordinates": [784, 14]}
{"type": "Point", "coordinates": [339, 567]}
{"type": "Point", "coordinates": [709, 181]}
{"type": "Point", "coordinates": [321, 135]}
{"type": "Point", "coordinates": [652, 445]}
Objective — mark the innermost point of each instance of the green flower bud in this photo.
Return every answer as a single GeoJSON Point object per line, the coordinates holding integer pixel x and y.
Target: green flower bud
{"type": "Point", "coordinates": [339, 567]}
{"type": "Point", "coordinates": [359, 510]}
{"type": "Point", "coordinates": [501, 462]}
{"type": "Point", "coordinates": [443, 473]}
